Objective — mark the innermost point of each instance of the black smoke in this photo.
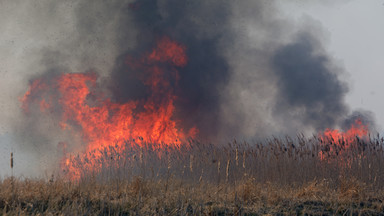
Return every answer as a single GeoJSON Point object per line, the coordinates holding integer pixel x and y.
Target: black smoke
{"type": "Point", "coordinates": [308, 88]}
{"type": "Point", "coordinates": [246, 76]}
{"type": "Point", "coordinates": [198, 25]}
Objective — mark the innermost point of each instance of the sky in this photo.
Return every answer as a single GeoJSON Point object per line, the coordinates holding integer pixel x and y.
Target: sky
{"type": "Point", "coordinates": [353, 36]}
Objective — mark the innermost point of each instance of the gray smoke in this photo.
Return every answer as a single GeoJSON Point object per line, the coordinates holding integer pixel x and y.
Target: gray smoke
{"type": "Point", "coordinates": [199, 25]}
{"type": "Point", "coordinates": [366, 117]}
{"type": "Point", "coordinates": [308, 89]}
{"type": "Point", "coordinates": [251, 72]}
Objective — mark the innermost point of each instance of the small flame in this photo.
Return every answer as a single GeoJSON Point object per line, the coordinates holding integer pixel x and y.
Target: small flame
{"type": "Point", "coordinates": [336, 143]}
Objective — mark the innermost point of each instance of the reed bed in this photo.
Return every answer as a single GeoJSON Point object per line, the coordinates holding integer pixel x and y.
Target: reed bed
{"type": "Point", "coordinates": [277, 176]}
{"type": "Point", "coordinates": [282, 161]}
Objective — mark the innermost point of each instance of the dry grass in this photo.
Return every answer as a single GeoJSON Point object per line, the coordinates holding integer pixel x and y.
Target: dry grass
{"type": "Point", "coordinates": [146, 197]}
{"type": "Point", "coordinates": [281, 176]}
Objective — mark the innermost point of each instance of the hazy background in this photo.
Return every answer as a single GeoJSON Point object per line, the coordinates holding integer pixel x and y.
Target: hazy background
{"type": "Point", "coordinates": [351, 33]}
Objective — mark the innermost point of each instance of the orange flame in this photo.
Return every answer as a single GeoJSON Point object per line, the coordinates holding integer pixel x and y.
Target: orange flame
{"type": "Point", "coordinates": [105, 123]}
{"type": "Point", "coordinates": [337, 142]}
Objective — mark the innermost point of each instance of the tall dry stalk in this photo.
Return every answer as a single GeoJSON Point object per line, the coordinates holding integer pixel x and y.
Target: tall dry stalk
{"type": "Point", "coordinates": [12, 179]}
{"type": "Point", "coordinates": [227, 170]}
{"type": "Point", "coordinates": [218, 172]}
{"type": "Point", "coordinates": [191, 163]}
{"type": "Point", "coordinates": [12, 163]}
{"type": "Point", "coordinates": [243, 159]}
{"type": "Point", "coordinates": [201, 175]}
{"type": "Point", "coordinates": [168, 174]}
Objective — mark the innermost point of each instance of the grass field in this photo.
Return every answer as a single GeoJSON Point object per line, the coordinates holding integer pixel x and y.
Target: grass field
{"type": "Point", "coordinates": [290, 176]}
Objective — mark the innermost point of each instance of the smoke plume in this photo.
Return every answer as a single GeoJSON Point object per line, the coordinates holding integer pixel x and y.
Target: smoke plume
{"type": "Point", "coordinates": [200, 26]}
{"type": "Point", "coordinates": [308, 88]}
{"type": "Point", "coordinates": [251, 72]}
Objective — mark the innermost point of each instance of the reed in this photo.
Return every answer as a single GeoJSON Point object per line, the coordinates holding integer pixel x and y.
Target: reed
{"type": "Point", "coordinates": [291, 175]}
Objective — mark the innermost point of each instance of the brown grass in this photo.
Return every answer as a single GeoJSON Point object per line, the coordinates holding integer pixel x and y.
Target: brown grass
{"type": "Point", "coordinates": [146, 197]}
{"type": "Point", "coordinates": [279, 176]}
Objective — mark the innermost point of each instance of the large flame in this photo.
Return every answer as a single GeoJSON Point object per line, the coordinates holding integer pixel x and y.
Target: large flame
{"type": "Point", "coordinates": [103, 123]}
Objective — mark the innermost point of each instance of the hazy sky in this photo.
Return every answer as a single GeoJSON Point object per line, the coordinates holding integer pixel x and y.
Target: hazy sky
{"type": "Point", "coordinates": [353, 32]}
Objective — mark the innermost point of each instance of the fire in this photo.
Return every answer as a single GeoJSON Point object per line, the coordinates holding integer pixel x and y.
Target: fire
{"type": "Point", "coordinates": [337, 143]}
{"type": "Point", "coordinates": [103, 123]}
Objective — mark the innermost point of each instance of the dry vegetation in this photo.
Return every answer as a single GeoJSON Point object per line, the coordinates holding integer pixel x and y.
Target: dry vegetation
{"type": "Point", "coordinates": [277, 177]}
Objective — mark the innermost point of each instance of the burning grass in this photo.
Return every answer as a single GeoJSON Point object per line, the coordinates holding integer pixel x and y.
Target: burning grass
{"type": "Point", "coordinates": [279, 176]}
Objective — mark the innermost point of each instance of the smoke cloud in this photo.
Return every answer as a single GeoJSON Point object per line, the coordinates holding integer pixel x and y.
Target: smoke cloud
{"type": "Point", "coordinates": [308, 88]}
{"type": "Point", "coordinates": [199, 25]}
{"type": "Point", "coordinates": [366, 117]}
{"type": "Point", "coordinates": [251, 72]}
